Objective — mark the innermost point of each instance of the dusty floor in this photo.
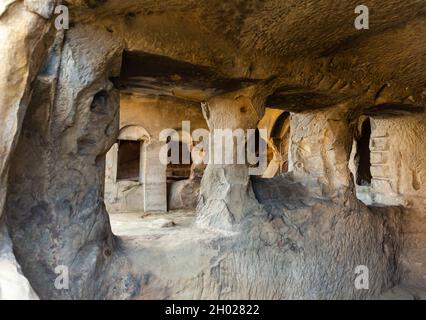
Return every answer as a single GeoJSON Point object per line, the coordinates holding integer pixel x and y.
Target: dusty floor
{"type": "Point", "coordinates": [155, 243]}
{"type": "Point", "coordinates": [161, 232]}
{"type": "Point", "coordinates": [165, 248]}
{"type": "Point", "coordinates": [140, 224]}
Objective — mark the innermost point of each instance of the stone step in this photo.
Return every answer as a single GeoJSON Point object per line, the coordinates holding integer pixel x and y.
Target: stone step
{"type": "Point", "coordinates": [381, 171]}
{"type": "Point", "coordinates": [378, 158]}
{"type": "Point", "coordinates": [379, 145]}
{"type": "Point", "coordinates": [382, 179]}
{"type": "Point", "coordinates": [384, 185]}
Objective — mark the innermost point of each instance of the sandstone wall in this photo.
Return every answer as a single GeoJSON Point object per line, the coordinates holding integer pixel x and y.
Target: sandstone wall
{"type": "Point", "coordinates": [55, 210]}
{"type": "Point", "coordinates": [152, 115]}
{"type": "Point", "coordinates": [157, 114]}
{"type": "Point", "coordinates": [26, 32]}
{"type": "Point", "coordinates": [278, 145]}
{"type": "Point", "coordinates": [320, 149]}
{"type": "Point", "coordinates": [398, 169]}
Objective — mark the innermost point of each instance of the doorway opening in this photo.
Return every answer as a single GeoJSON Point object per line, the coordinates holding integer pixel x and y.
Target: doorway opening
{"type": "Point", "coordinates": [128, 164]}
{"type": "Point", "coordinates": [178, 171]}
{"type": "Point", "coordinates": [363, 155]}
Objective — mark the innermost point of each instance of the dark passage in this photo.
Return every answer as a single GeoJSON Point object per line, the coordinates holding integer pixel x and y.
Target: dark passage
{"type": "Point", "coordinates": [180, 170]}
{"type": "Point", "coordinates": [128, 160]}
{"type": "Point", "coordinates": [363, 175]}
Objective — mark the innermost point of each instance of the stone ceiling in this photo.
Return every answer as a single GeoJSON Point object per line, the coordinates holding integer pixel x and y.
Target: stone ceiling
{"type": "Point", "coordinates": [312, 46]}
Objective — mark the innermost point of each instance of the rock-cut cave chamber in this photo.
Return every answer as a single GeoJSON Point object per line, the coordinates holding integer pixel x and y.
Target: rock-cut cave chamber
{"type": "Point", "coordinates": [82, 187]}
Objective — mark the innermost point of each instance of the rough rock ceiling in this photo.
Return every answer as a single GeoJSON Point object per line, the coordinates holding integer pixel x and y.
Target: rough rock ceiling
{"type": "Point", "coordinates": [149, 74]}
{"type": "Point", "coordinates": [311, 45]}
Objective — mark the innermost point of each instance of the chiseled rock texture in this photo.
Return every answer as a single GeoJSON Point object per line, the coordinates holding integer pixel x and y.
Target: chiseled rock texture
{"type": "Point", "coordinates": [307, 250]}
{"type": "Point", "coordinates": [398, 168]}
{"type": "Point", "coordinates": [225, 194]}
{"type": "Point", "coordinates": [320, 149]}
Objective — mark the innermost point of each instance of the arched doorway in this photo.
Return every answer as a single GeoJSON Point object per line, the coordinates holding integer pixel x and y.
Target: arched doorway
{"type": "Point", "coordinates": [278, 126]}
{"type": "Point", "coordinates": [124, 172]}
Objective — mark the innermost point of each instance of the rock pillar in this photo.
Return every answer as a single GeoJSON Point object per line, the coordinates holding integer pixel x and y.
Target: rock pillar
{"type": "Point", "coordinates": [155, 179]}
{"type": "Point", "coordinates": [320, 150]}
{"type": "Point", "coordinates": [226, 195]}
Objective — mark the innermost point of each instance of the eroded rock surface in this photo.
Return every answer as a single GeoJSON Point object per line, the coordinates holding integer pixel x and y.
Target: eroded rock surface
{"type": "Point", "coordinates": [13, 284]}
{"type": "Point", "coordinates": [319, 150]}
{"type": "Point", "coordinates": [309, 252]}
{"type": "Point", "coordinates": [71, 123]}
{"type": "Point", "coordinates": [226, 197]}
{"type": "Point", "coordinates": [21, 56]}
{"type": "Point", "coordinates": [184, 194]}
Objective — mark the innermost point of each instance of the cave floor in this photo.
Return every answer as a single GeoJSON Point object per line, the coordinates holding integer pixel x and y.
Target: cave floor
{"type": "Point", "coordinates": [168, 247]}
{"type": "Point", "coordinates": [140, 224]}
{"type": "Point", "coordinates": [158, 230]}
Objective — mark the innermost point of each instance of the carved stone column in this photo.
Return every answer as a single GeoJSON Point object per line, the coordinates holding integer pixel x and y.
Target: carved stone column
{"type": "Point", "coordinates": [320, 149]}
{"type": "Point", "coordinates": [226, 195]}
{"type": "Point", "coordinates": [155, 179]}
